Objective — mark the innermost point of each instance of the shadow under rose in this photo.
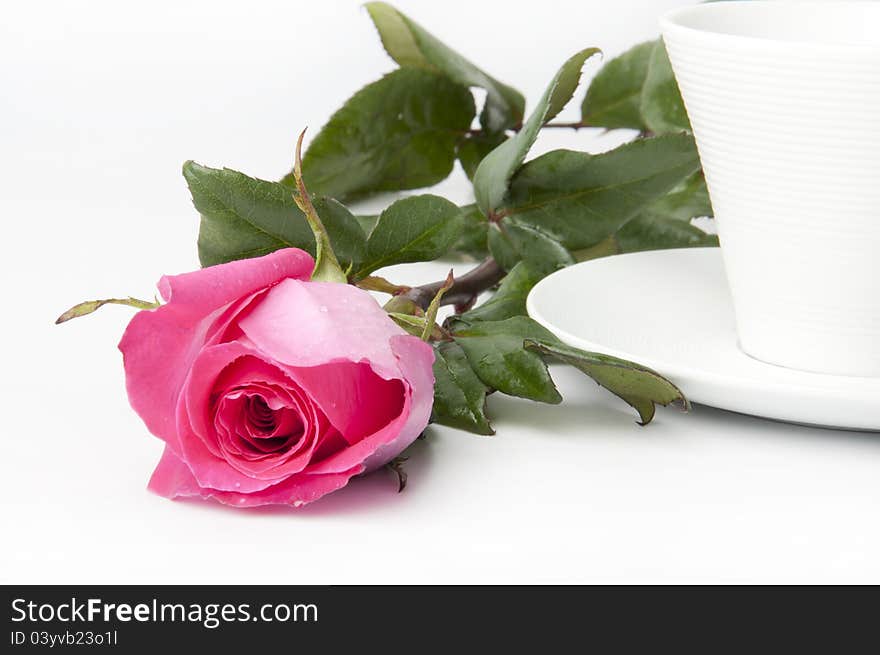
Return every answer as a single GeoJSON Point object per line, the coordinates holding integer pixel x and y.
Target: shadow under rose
{"type": "Point", "coordinates": [365, 493]}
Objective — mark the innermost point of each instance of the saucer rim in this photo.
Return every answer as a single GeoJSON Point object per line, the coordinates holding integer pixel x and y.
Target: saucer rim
{"type": "Point", "coordinates": [805, 385]}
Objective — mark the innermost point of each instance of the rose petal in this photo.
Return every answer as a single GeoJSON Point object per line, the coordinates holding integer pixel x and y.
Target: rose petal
{"type": "Point", "coordinates": [210, 470]}
{"type": "Point", "coordinates": [198, 446]}
{"type": "Point", "coordinates": [368, 446]}
{"type": "Point", "coordinates": [159, 345]}
{"type": "Point", "coordinates": [353, 398]}
{"type": "Point", "coordinates": [416, 359]}
{"type": "Point", "coordinates": [218, 369]}
{"type": "Point", "coordinates": [325, 352]}
{"type": "Point", "coordinates": [323, 322]}
{"type": "Point", "coordinates": [173, 479]}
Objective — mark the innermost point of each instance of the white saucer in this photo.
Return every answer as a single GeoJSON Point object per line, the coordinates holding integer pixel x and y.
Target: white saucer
{"type": "Point", "coordinates": [671, 310]}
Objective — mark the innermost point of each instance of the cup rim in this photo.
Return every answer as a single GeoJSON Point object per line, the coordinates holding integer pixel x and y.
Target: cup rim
{"type": "Point", "coordinates": [670, 23]}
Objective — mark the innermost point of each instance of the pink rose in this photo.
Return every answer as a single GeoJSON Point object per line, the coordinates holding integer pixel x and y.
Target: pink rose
{"type": "Point", "coordinates": [269, 388]}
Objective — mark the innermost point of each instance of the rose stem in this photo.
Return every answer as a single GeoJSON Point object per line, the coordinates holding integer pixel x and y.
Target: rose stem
{"type": "Point", "coordinates": [483, 277]}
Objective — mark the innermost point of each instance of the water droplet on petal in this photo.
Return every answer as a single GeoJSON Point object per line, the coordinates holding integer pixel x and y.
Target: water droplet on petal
{"type": "Point", "coordinates": [323, 309]}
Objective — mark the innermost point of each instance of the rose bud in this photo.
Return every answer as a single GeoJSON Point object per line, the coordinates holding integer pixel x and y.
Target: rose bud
{"type": "Point", "coordinates": [268, 388]}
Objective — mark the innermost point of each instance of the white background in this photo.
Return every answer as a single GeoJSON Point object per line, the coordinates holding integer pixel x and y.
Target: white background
{"type": "Point", "coordinates": [101, 102]}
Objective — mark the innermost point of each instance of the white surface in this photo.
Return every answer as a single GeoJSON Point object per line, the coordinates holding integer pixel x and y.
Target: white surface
{"type": "Point", "coordinates": [103, 101]}
{"type": "Point", "coordinates": [691, 337]}
{"type": "Point", "coordinates": [783, 99]}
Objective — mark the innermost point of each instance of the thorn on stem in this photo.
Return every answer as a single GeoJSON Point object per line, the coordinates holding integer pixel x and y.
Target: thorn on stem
{"type": "Point", "coordinates": [467, 305]}
{"type": "Point", "coordinates": [396, 465]}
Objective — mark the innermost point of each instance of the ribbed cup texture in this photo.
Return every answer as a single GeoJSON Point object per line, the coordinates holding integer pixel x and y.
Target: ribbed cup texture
{"type": "Point", "coordinates": [789, 137]}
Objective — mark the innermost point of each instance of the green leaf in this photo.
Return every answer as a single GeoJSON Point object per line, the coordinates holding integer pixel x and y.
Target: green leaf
{"type": "Point", "coordinates": [637, 90]}
{"type": "Point", "coordinates": [665, 223]}
{"type": "Point", "coordinates": [367, 222]}
{"type": "Point", "coordinates": [662, 108]}
{"type": "Point", "coordinates": [510, 298]}
{"type": "Point", "coordinates": [647, 232]}
{"type": "Point", "coordinates": [414, 229]}
{"type": "Point", "coordinates": [566, 82]}
{"type": "Point", "coordinates": [414, 325]}
{"type": "Point", "coordinates": [400, 305]}
{"type": "Point", "coordinates": [496, 353]}
{"type": "Point", "coordinates": [638, 386]}
{"type": "Point", "coordinates": [409, 44]}
{"type": "Point", "coordinates": [473, 238]}
{"type": "Point", "coordinates": [605, 248]}
{"type": "Point", "coordinates": [459, 395]}
{"type": "Point", "coordinates": [399, 132]}
{"type": "Point", "coordinates": [494, 172]}
{"type": "Point", "coordinates": [473, 148]}
{"type": "Point", "coordinates": [245, 217]}
{"type": "Point", "coordinates": [434, 307]}
{"type": "Point", "coordinates": [580, 199]}
{"type": "Point", "coordinates": [511, 243]}
{"type": "Point", "coordinates": [614, 98]}
{"type": "Point", "coordinates": [90, 306]}
{"type": "Point", "coordinates": [689, 199]}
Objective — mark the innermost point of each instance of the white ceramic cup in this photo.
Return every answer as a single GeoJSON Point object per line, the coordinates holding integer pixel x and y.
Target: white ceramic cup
{"type": "Point", "coordinates": [784, 100]}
